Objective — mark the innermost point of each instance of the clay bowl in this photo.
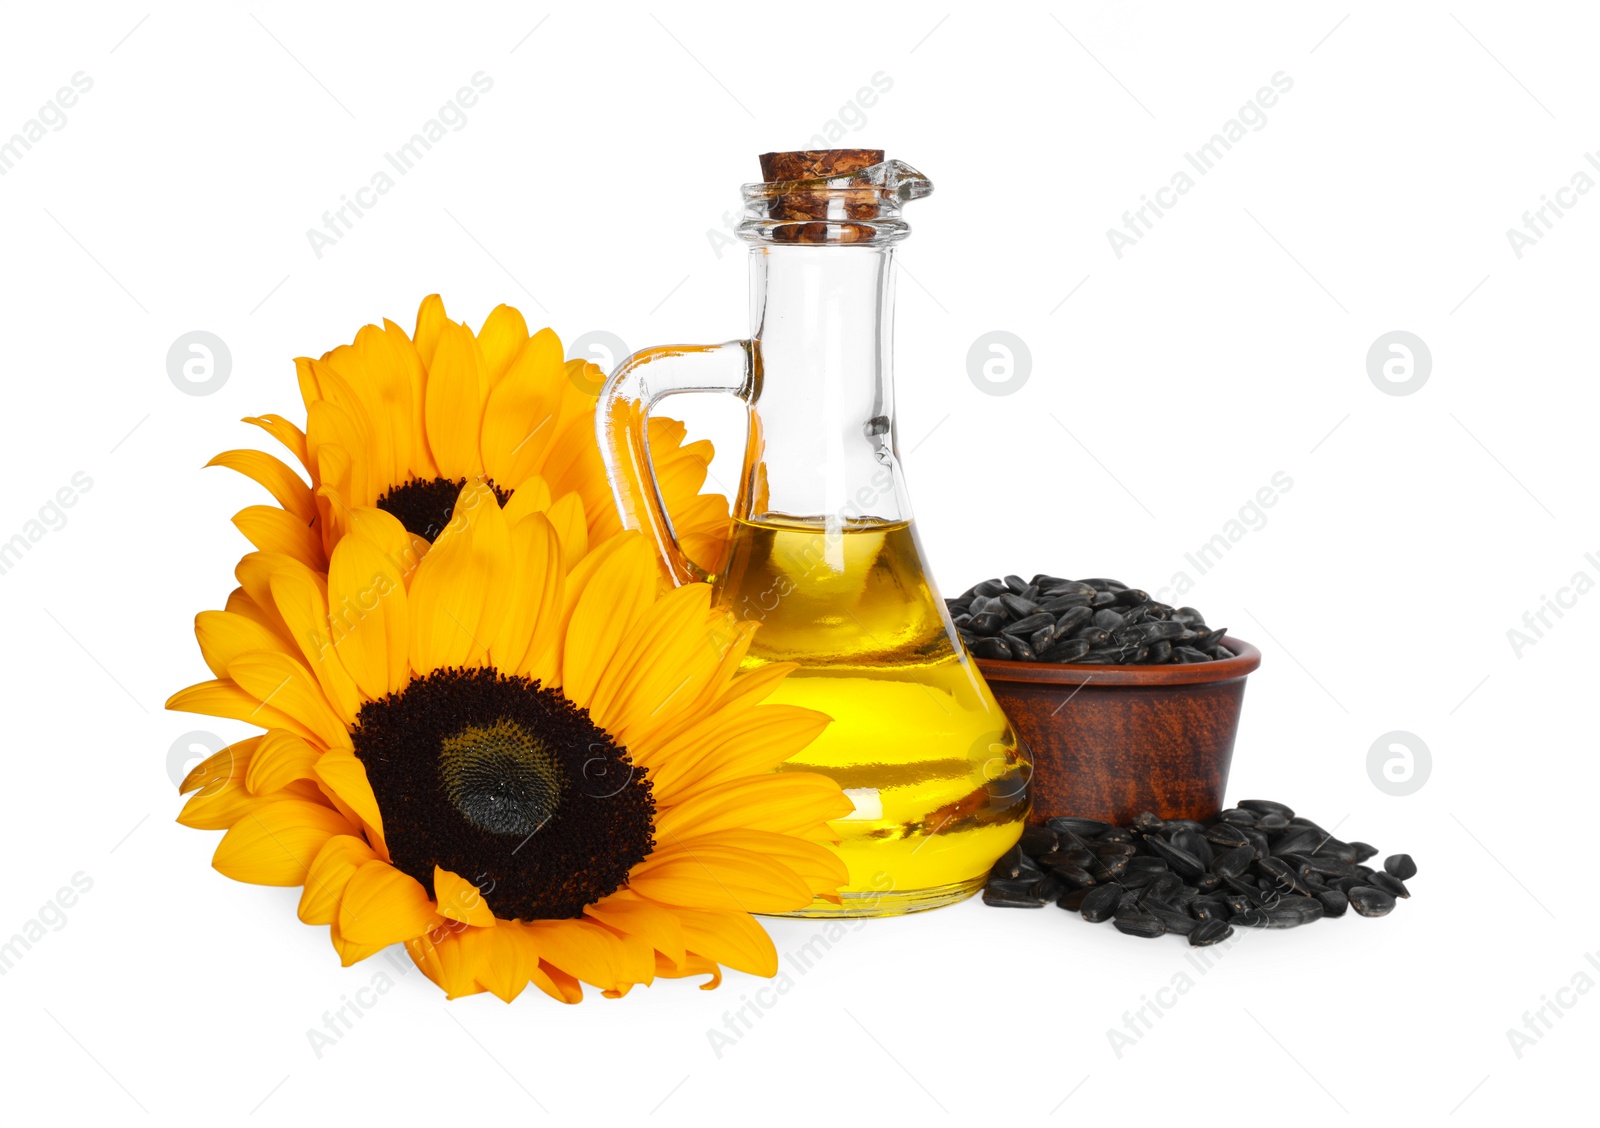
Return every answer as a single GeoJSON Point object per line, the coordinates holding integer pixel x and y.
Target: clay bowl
{"type": "Point", "coordinates": [1110, 742]}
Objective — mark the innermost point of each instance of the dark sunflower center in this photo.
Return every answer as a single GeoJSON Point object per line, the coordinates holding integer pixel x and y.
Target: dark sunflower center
{"type": "Point", "coordinates": [507, 784]}
{"type": "Point", "coordinates": [425, 505]}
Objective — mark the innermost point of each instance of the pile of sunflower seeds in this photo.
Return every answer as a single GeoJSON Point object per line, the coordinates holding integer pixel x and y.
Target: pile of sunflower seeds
{"type": "Point", "coordinates": [1257, 865]}
{"type": "Point", "coordinates": [1049, 619]}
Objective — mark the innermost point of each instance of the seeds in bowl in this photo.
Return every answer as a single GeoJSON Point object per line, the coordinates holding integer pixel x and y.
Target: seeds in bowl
{"type": "Point", "coordinates": [1095, 621]}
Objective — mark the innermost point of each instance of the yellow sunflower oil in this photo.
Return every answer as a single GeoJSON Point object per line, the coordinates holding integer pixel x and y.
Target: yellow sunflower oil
{"type": "Point", "coordinates": [917, 740]}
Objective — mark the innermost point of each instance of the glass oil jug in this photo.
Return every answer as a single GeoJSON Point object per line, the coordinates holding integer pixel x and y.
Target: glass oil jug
{"type": "Point", "coordinates": [823, 551]}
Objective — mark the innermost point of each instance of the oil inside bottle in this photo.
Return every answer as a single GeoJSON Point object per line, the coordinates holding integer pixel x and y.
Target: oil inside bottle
{"type": "Point", "coordinates": [917, 740]}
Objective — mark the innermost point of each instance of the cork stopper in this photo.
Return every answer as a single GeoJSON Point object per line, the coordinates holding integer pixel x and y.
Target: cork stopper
{"type": "Point", "coordinates": [799, 194]}
{"type": "Point", "coordinates": [810, 164]}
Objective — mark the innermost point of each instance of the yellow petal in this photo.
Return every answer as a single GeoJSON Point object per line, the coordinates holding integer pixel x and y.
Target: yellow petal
{"type": "Point", "coordinates": [280, 759]}
{"type": "Point", "coordinates": [222, 807]}
{"type": "Point", "coordinates": [457, 388]}
{"type": "Point", "coordinates": [714, 876]}
{"type": "Point", "coordinates": [729, 745]}
{"type": "Point", "coordinates": [349, 951]}
{"type": "Point", "coordinates": [224, 635]}
{"type": "Point", "coordinates": [503, 334]}
{"type": "Point", "coordinates": [627, 912]}
{"type": "Point", "coordinates": [368, 618]}
{"type": "Point", "coordinates": [460, 900]}
{"type": "Point", "coordinates": [505, 961]}
{"type": "Point", "coordinates": [275, 844]}
{"type": "Point", "coordinates": [531, 495]}
{"type": "Point", "coordinates": [533, 606]}
{"type": "Point", "coordinates": [566, 515]}
{"type": "Point", "coordinates": [458, 597]}
{"type": "Point", "coordinates": [659, 662]}
{"type": "Point", "coordinates": [292, 437]}
{"type": "Point", "coordinates": [734, 940]}
{"type": "Point", "coordinates": [240, 603]}
{"type": "Point", "coordinates": [302, 599]}
{"type": "Point", "coordinates": [620, 591]}
{"type": "Point", "coordinates": [793, 803]}
{"type": "Point", "coordinates": [818, 867]}
{"type": "Point", "coordinates": [546, 666]}
{"type": "Point", "coordinates": [382, 905]}
{"type": "Point", "coordinates": [330, 872]}
{"type": "Point", "coordinates": [692, 964]}
{"type": "Point", "coordinates": [306, 378]}
{"type": "Point", "coordinates": [272, 529]}
{"type": "Point", "coordinates": [379, 373]}
{"type": "Point", "coordinates": [226, 698]}
{"type": "Point", "coordinates": [285, 486]}
{"type": "Point", "coordinates": [410, 360]}
{"type": "Point", "coordinates": [431, 320]}
{"type": "Point", "coordinates": [520, 422]}
{"type": "Point", "coordinates": [581, 948]}
{"type": "Point", "coordinates": [281, 683]}
{"type": "Point", "coordinates": [217, 769]}
{"type": "Point", "coordinates": [346, 777]}
{"type": "Point", "coordinates": [336, 426]}
{"type": "Point", "coordinates": [403, 549]}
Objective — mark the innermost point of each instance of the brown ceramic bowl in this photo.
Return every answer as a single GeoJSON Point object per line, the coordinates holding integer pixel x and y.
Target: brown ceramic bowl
{"type": "Point", "coordinates": [1110, 742]}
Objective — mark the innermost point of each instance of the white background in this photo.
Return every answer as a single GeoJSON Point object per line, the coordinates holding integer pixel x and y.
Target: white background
{"type": "Point", "coordinates": [1229, 344]}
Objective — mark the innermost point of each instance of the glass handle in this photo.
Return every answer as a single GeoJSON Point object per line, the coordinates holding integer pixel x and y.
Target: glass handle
{"type": "Point", "coordinates": [622, 422]}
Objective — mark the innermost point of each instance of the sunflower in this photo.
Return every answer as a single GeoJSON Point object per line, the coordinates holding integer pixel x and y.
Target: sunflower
{"type": "Point", "coordinates": [401, 423]}
{"type": "Point", "coordinates": [525, 771]}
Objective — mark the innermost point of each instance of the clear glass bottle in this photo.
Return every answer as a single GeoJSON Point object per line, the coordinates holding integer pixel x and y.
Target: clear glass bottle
{"type": "Point", "coordinates": [824, 552]}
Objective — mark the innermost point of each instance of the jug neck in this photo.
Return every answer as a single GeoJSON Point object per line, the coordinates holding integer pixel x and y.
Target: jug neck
{"type": "Point", "coordinates": [822, 431]}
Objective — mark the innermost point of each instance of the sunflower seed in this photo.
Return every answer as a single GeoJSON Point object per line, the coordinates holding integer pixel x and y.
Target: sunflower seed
{"type": "Point", "coordinates": [1064, 650]}
{"type": "Point", "coordinates": [1062, 603]}
{"type": "Point", "coordinates": [1065, 856]}
{"type": "Point", "coordinates": [1074, 618]}
{"type": "Point", "coordinates": [994, 648]}
{"type": "Point", "coordinates": [1174, 921]}
{"type": "Point", "coordinates": [1099, 903]}
{"type": "Point", "coordinates": [1334, 903]}
{"type": "Point", "coordinates": [1389, 883]}
{"type": "Point", "coordinates": [1083, 828]}
{"type": "Point", "coordinates": [1234, 862]}
{"type": "Point", "coordinates": [1072, 900]}
{"type": "Point", "coordinates": [1210, 932]}
{"type": "Point", "coordinates": [1011, 895]}
{"type": "Point", "coordinates": [1018, 606]}
{"type": "Point", "coordinates": [1161, 890]}
{"type": "Point", "coordinates": [1025, 626]}
{"type": "Point", "coordinates": [1267, 807]}
{"type": "Point", "coordinates": [1009, 864]}
{"type": "Point", "coordinates": [1102, 584]}
{"type": "Point", "coordinates": [1225, 835]}
{"type": "Point", "coordinates": [1136, 922]}
{"type": "Point", "coordinates": [1192, 840]}
{"type": "Point", "coordinates": [1037, 840]}
{"type": "Point", "coordinates": [1183, 863]}
{"type": "Point", "coordinates": [1400, 866]}
{"type": "Point", "coordinates": [1371, 902]}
